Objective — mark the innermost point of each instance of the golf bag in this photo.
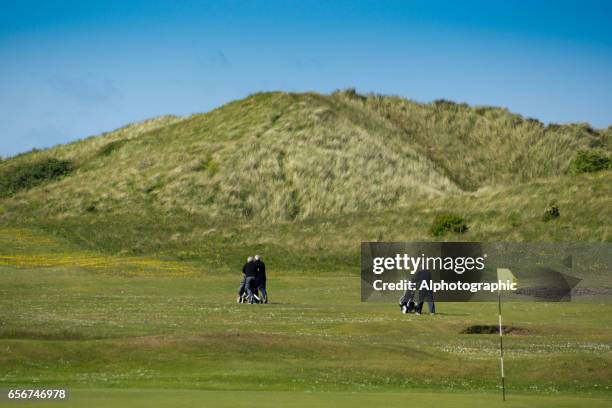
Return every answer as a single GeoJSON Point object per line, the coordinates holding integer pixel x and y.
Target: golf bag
{"type": "Point", "coordinates": [256, 298]}
{"type": "Point", "coordinates": [242, 293]}
{"type": "Point", "coordinates": [406, 302]}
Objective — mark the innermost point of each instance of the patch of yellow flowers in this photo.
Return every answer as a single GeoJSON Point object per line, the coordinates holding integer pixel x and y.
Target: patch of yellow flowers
{"type": "Point", "coordinates": [131, 266]}
{"type": "Point", "coordinates": [23, 236]}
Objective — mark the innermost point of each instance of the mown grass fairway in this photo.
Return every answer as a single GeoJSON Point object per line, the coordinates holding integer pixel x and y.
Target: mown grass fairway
{"type": "Point", "coordinates": [140, 335]}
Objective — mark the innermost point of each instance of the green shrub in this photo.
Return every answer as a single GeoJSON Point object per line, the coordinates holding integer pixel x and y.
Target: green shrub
{"type": "Point", "coordinates": [588, 162]}
{"type": "Point", "coordinates": [444, 223]}
{"type": "Point", "coordinates": [552, 212]}
{"type": "Point", "coordinates": [444, 103]}
{"type": "Point", "coordinates": [534, 121]}
{"type": "Point", "coordinates": [24, 176]}
{"type": "Point", "coordinates": [483, 110]}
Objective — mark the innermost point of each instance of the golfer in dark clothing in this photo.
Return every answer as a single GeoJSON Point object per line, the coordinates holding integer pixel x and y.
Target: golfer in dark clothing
{"type": "Point", "coordinates": [424, 294]}
{"type": "Point", "coordinates": [248, 281]}
{"type": "Point", "coordinates": [250, 274]}
{"type": "Point", "coordinates": [260, 268]}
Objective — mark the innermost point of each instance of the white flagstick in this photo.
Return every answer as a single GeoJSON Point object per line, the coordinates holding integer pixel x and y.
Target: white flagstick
{"type": "Point", "coordinates": [501, 345]}
{"type": "Point", "coordinates": [503, 274]}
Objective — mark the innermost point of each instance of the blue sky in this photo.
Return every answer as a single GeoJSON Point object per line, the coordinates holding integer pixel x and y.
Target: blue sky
{"type": "Point", "coordinates": [70, 69]}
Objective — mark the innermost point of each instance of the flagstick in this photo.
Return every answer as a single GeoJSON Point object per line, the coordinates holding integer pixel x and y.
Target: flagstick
{"type": "Point", "coordinates": [501, 346]}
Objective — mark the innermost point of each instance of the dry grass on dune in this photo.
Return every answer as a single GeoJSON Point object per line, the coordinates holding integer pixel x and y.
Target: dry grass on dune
{"type": "Point", "coordinates": [279, 156]}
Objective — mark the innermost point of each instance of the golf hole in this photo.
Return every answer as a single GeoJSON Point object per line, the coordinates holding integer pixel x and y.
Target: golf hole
{"type": "Point", "coordinates": [493, 329]}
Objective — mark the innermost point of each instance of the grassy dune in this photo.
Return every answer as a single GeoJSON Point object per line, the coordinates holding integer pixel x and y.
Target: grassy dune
{"type": "Point", "coordinates": [485, 146]}
{"type": "Point", "coordinates": [283, 157]}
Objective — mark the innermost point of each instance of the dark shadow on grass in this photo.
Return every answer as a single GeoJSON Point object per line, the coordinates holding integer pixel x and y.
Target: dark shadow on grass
{"type": "Point", "coordinates": [450, 314]}
{"type": "Point", "coordinates": [494, 329]}
{"type": "Point", "coordinates": [46, 335]}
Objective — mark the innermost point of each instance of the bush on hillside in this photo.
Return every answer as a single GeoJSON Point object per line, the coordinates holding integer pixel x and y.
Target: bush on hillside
{"type": "Point", "coordinates": [444, 223]}
{"type": "Point", "coordinates": [552, 212]}
{"type": "Point", "coordinates": [588, 162]}
{"type": "Point", "coordinates": [534, 121]}
{"type": "Point", "coordinates": [24, 176]}
{"type": "Point", "coordinates": [587, 128]}
{"type": "Point", "coordinates": [448, 105]}
{"type": "Point", "coordinates": [483, 110]}
{"type": "Point", "coordinates": [444, 102]}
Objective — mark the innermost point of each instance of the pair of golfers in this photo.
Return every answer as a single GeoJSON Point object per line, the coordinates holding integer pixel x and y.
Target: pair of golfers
{"type": "Point", "coordinates": [413, 300]}
{"type": "Point", "coordinates": [253, 281]}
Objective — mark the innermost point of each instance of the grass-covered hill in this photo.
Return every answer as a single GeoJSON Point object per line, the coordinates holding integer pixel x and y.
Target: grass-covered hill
{"type": "Point", "coordinates": [306, 177]}
{"type": "Point", "coordinates": [279, 157]}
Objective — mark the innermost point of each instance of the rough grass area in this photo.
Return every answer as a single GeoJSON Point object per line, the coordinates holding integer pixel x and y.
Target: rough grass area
{"type": "Point", "coordinates": [503, 214]}
{"type": "Point", "coordinates": [484, 146]}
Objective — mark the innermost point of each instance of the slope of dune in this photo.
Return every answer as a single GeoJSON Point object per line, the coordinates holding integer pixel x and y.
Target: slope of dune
{"type": "Point", "coordinates": [283, 157]}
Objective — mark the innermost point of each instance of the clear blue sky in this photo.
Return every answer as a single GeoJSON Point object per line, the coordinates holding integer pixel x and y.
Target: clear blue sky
{"type": "Point", "coordinates": [70, 69]}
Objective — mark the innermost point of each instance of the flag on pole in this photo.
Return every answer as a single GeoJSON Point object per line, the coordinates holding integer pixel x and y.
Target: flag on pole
{"type": "Point", "coordinates": [503, 275]}
{"type": "Point", "coordinates": [506, 275]}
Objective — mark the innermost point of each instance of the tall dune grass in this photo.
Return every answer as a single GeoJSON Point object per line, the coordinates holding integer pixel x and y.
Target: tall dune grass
{"type": "Point", "coordinates": [284, 157]}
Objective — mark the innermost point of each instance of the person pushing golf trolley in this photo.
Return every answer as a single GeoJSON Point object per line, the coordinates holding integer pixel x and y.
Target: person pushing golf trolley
{"type": "Point", "coordinates": [413, 300]}
{"type": "Point", "coordinates": [253, 281]}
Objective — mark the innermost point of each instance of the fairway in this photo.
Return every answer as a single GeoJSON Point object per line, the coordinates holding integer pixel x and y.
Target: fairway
{"type": "Point", "coordinates": [143, 331]}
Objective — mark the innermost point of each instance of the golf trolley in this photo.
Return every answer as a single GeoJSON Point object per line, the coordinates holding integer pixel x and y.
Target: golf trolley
{"type": "Point", "coordinates": [406, 302]}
